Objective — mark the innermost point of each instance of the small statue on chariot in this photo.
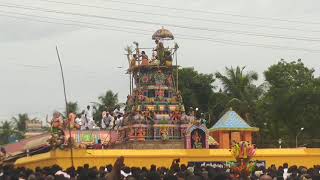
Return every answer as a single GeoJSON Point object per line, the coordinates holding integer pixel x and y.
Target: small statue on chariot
{"type": "Point", "coordinates": [57, 133]}
{"type": "Point", "coordinates": [243, 152]}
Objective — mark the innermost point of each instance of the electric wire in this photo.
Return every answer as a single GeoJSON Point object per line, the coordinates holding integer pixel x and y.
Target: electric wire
{"type": "Point", "coordinates": [164, 24]}
{"type": "Point", "coordinates": [188, 37]}
{"type": "Point", "coordinates": [213, 12]}
{"type": "Point", "coordinates": [182, 17]}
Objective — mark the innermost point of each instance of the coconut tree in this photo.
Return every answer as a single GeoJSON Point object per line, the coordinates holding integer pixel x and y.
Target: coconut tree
{"type": "Point", "coordinates": [236, 82]}
{"type": "Point", "coordinates": [107, 102]}
{"type": "Point", "coordinates": [5, 132]}
{"type": "Point", "coordinates": [72, 107]}
{"type": "Point", "coordinates": [238, 85]}
{"type": "Point", "coordinates": [20, 121]}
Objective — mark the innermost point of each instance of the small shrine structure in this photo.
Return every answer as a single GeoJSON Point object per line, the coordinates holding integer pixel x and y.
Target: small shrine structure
{"type": "Point", "coordinates": [231, 128]}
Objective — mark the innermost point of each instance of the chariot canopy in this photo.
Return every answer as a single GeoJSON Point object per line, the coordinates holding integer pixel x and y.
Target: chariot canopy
{"type": "Point", "coordinates": [163, 34]}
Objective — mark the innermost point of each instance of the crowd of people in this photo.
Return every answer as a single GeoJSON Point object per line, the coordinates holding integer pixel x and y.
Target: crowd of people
{"type": "Point", "coordinates": [109, 120]}
{"type": "Point", "coordinates": [160, 56]}
{"type": "Point", "coordinates": [177, 171]}
{"type": "Point", "coordinates": [85, 120]}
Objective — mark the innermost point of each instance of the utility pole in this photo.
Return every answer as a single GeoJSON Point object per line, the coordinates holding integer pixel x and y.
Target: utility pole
{"type": "Point", "coordinates": [177, 69]}
{"type": "Point", "coordinates": [67, 110]}
{"type": "Point", "coordinates": [300, 131]}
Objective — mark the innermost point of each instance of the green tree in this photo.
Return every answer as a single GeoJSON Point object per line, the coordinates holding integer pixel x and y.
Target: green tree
{"type": "Point", "coordinates": [107, 102]}
{"type": "Point", "coordinates": [239, 87]}
{"type": "Point", "coordinates": [236, 82]}
{"type": "Point", "coordinates": [20, 121]}
{"type": "Point", "coordinates": [291, 102]}
{"type": "Point", "coordinates": [72, 107]}
{"type": "Point", "coordinates": [197, 92]}
{"type": "Point", "coordinates": [6, 132]}
{"type": "Point", "coordinates": [196, 89]}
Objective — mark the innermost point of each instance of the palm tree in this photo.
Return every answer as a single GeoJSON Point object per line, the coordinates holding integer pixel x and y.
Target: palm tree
{"type": "Point", "coordinates": [20, 121]}
{"type": "Point", "coordinates": [237, 83]}
{"type": "Point", "coordinates": [239, 86]}
{"type": "Point", "coordinates": [6, 132]}
{"type": "Point", "coordinates": [72, 107]}
{"type": "Point", "coordinates": [109, 101]}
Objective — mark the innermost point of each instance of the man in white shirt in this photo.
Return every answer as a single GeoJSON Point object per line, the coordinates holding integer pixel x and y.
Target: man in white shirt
{"type": "Point", "coordinates": [92, 125]}
{"type": "Point", "coordinates": [81, 122]}
{"type": "Point", "coordinates": [117, 122]}
{"type": "Point", "coordinates": [285, 171]}
{"type": "Point", "coordinates": [89, 113]}
{"type": "Point", "coordinates": [111, 124]}
{"type": "Point", "coordinates": [106, 119]}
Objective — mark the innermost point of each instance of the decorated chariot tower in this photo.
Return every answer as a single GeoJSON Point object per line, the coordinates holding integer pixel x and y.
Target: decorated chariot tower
{"type": "Point", "coordinates": [154, 117]}
{"type": "Point", "coordinates": [155, 113]}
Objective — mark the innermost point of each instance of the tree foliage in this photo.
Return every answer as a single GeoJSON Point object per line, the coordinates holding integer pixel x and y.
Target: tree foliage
{"type": "Point", "coordinates": [9, 132]}
{"type": "Point", "coordinates": [72, 107]}
{"type": "Point", "coordinates": [6, 132]}
{"type": "Point", "coordinates": [243, 94]}
{"type": "Point", "coordinates": [107, 102]}
{"type": "Point", "coordinates": [291, 102]}
{"type": "Point", "coordinates": [196, 88]}
{"type": "Point", "coordinates": [20, 121]}
{"type": "Point", "coordinates": [287, 100]}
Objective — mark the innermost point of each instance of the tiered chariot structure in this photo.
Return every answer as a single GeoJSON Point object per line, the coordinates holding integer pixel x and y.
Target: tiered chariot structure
{"type": "Point", "coordinates": [155, 112]}
{"type": "Point", "coordinates": [155, 116]}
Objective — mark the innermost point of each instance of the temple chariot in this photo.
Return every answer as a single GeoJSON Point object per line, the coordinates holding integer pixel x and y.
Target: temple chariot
{"type": "Point", "coordinates": [154, 116]}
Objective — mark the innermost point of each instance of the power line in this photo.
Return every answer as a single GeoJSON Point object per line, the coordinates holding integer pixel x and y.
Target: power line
{"type": "Point", "coordinates": [223, 41]}
{"type": "Point", "coordinates": [213, 12]}
{"type": "Point", "coordinates": [90, 23]}
{"type": "Point", "coordinates": [165, 24]}
{"type": "Point", "coordinates": [68, 24]}
{"type": "Point", "coordinates": [182, 17]}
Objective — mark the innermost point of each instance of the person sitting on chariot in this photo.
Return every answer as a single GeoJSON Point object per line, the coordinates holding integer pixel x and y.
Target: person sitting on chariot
{"type": "Point", "coordinates": [81, 122]}
{"type": "Point", "coordinates": [112, 122]}
{"type": "Point", "coordinates": [167, 58]}
{"type": "Point", "coordinates": [92, 125]}
{"type": "Point", "coordinates": [105, 121]}
{"type": "Point", "coordinates": [154, 60]}
{"type": "Point", "coordinates": [121, 119]}
{"type": "Point", "coordinates": [117, 122]}
{"type": "Point", "coordinates": [160, 51]}
{"type": "Point", "coordinates": [133, 60]}
{"type": "Point", "coordinates": [144, 58]}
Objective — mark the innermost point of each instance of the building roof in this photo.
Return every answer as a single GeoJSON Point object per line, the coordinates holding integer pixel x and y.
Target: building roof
{"type": "Point", "coordinates": [231, 121]}
{"type": "Point", "coordinates": [28, 143]}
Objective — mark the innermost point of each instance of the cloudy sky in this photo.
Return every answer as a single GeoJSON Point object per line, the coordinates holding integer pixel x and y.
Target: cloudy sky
{"type": "Point", "coordinates": [91, 36]}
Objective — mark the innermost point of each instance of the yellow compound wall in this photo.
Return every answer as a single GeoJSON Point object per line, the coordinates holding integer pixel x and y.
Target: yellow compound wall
{"type": "Point", "coordinates": [300, 156]}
